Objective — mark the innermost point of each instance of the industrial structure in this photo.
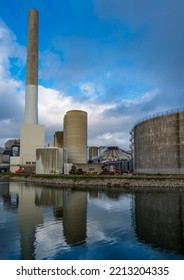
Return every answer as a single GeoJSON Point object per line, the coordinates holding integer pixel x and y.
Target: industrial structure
{"type": "Point", "coordinates": [114, 160]}
{"type": "Point", "coordinates": [75, 136]}
{"type": "Point", "coordinates": [10, 152]}
{"type": "Point", "coordinates": [69, 148]}
{"type": "Point", "coordinates": [68, 153]}
{"type": "Point", "coordinates": [49, 160]}
{"type": "Point", "coordinates": [158, 143]}
{"type": "Point", "coordinates": [31, 133]}
{"type": "Point", "coordinates": [93, 152]}
{"type": "Point", "coordinates": [58, 139]}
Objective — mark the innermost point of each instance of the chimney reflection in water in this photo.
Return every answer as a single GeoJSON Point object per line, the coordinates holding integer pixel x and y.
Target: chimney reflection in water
{"type": "Point", "coordinates": [68, 207]}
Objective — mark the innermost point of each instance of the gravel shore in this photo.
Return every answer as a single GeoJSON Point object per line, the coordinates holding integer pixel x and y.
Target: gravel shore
{"type": "Point", "coordinates": [132, 183]}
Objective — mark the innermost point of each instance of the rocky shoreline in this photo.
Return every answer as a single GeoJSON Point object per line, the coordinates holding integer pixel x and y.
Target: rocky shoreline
{"type": "Point", "coordinates": [131, 183]}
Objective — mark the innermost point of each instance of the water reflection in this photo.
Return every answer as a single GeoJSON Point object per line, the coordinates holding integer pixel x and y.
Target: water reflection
{"type": "Point", "coordinates": [29, 216]}
{"type": "Point", "coordinates": [70, 207]}
{"type": "Point", "coordinates": [74, 217]}
{"type": "Point", "coordinates": [59, 223]}
{"type": "Point", "coordinates": [10, 202]}
{"type": "Point", "coordinates": [159, 219]}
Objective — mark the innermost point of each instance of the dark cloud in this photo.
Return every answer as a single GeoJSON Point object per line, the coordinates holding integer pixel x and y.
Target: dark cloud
{"type": "Point", "coordinates": [143, 50]}
{"type": "Point", "coordinates": [158, 55]}
{"type": "Point", "coordinates": [11, 112]}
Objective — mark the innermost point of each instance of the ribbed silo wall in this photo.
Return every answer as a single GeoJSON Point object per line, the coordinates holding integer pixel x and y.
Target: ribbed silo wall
{"type": "Point", "coordinates": [49, 161]}
{"type": "Point", "coordinates": [75, 136]}
{"type": "Point", "coordinates": [159, 145]}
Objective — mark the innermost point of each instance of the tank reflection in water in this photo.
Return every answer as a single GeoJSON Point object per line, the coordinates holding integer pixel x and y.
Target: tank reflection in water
{"type": "Point", "coordinates": [159, 220]}
{"type": "Point", "coordinates": [40, 222]}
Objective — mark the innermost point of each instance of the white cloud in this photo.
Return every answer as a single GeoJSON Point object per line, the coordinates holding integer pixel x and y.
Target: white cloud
{"type": "Point", "coordinates": [146, 97]}
{"type": "Point", "coordinates": [109, 121]}
{"type": "Point", "coordinates": [54, 104]}
{"type": "Point", "coordinates": [9, 48]}
{"type": "Point", "coordinates": [88, 90]}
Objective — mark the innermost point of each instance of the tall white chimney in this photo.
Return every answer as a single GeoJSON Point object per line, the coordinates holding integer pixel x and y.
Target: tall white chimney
{"type": "Point", "coordinates": [31, 133]}
{"type": "Point", "coordinates": [31, 98]}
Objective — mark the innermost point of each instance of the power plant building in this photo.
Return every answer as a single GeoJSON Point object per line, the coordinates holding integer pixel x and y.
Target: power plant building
{"type": "Point", "coordinates": [158, 144]}
{"type": "Point", "coordinates": [70, 146]}
{"type": "Point", "coordinates": [31, 133]}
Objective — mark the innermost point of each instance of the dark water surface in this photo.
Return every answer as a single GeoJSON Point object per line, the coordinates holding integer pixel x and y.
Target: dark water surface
{"type": "Point", "coordinates": [38, 222]}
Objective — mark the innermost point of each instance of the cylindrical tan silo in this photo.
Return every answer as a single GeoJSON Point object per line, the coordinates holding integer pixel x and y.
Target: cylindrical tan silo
{"type": "Point", "coordinates": [75, 136]}
{"type": "Point", "coordinates": [65, 131]}
{"type": "Point", "coordinates": [58, 139]}
{"type": "Point", "coordinates": [93, 152]}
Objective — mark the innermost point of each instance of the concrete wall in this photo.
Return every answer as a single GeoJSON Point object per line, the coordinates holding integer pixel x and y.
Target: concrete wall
{"type": "Point", "coordinates": [89, 168]}
{"type": "Point", "coordinates": [67, 168]}
{"type": "Point", "coordinates": [31, 138]}
{"type": "Point", "coordinates": [159, 145]}
{"type": "Point", "coordinates": [49, 161]}
{"type": "Point", "coordinates": [14, 164]}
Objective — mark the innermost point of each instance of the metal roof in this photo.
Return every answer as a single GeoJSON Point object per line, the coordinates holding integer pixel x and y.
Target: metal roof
{"type": "Point", "coordinates": [112, 153]}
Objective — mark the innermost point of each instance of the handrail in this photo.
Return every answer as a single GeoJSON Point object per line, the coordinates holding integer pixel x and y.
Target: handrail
{"type": "Point", "coordinates": [164, 113]}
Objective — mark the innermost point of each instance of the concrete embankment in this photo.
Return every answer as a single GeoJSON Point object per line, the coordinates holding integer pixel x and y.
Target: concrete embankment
{"type": "Point", "coordinates": [112, 182]}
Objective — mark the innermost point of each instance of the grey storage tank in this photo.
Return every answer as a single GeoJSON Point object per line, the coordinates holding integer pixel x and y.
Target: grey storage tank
{"type": "Point", "coordinates": [75, 136]}
{"type": "Point", "coordinates": [158, 143]}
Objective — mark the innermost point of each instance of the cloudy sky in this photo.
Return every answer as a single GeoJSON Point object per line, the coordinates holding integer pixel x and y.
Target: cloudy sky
{"type": "Point", "coordinates": [118, 60]}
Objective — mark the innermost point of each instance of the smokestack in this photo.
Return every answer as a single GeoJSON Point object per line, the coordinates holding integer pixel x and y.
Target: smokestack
{"type": "Point", "coordinates": [31, 133]}
{"type": "Point", "coordinates": [31, 99]}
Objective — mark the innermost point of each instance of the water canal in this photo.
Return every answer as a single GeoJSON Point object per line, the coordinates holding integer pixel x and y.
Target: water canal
{"type": "Point", "coordinates": [39, 222]}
